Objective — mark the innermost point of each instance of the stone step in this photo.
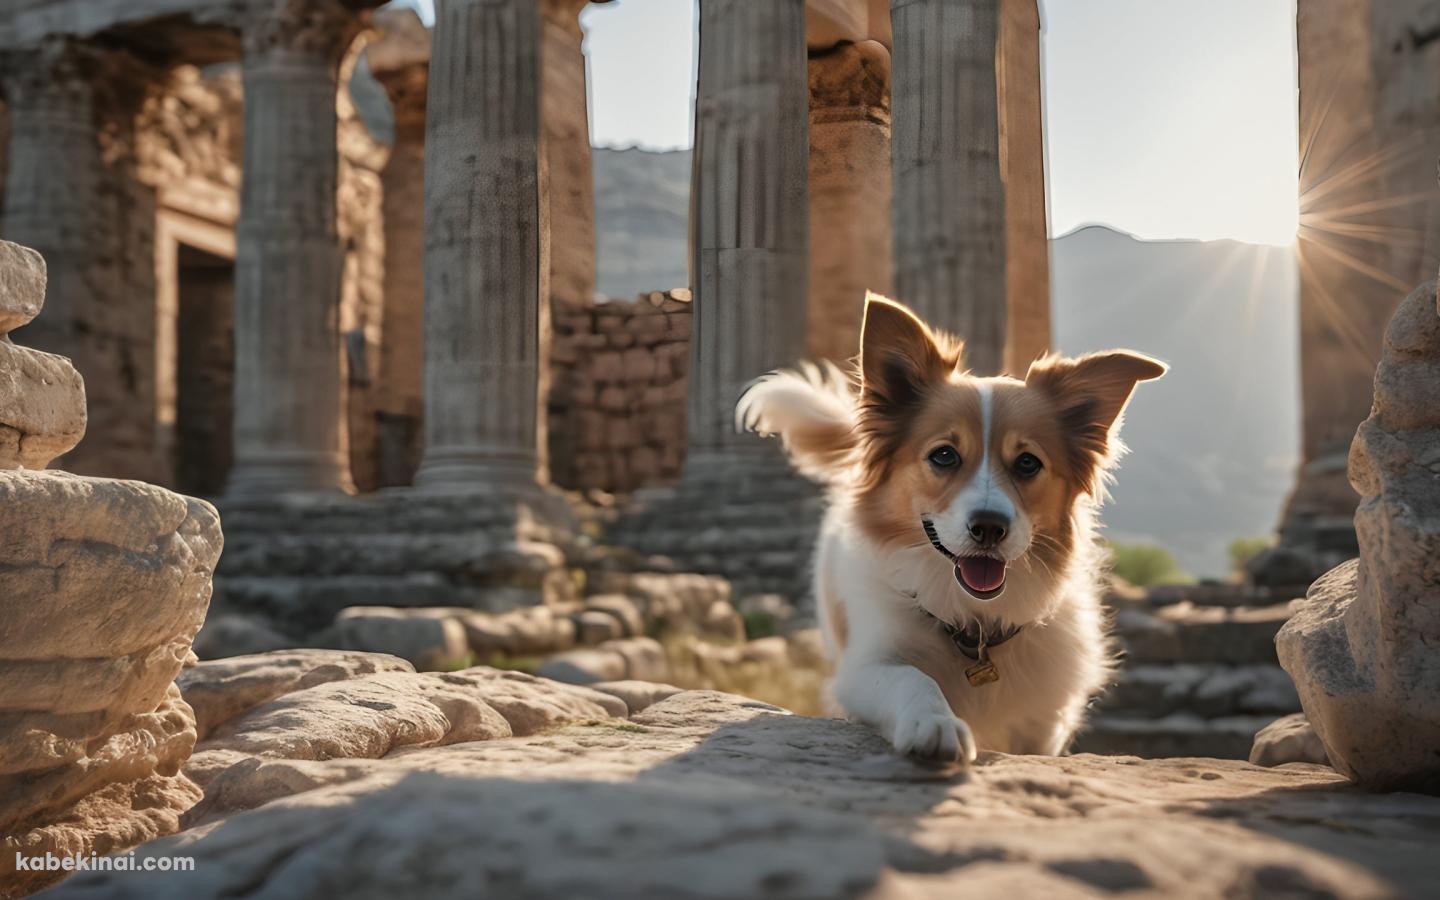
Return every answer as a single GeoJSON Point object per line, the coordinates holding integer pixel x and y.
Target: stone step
{"type": "Point", "coordinates": [541, 514]}
{"type": "Point", "coordinates": [479, 555]}
{"type": "Point", "coordinates": [300, 606]}
{"type": "Point", "coordinates": [1202, 689]}
{"type": "Point", "coordinates": [1186, 633]}
{"type": "Point", "coordinates": [1180, 734]}
{"type": "Point", "coordinates": [1222, 594]}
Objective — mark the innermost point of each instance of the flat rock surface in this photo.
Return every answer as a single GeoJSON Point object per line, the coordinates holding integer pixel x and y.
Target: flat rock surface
{"type": "Point", "coordinates": [712, 795]}
{"type": "Point", "coordinates": [219, 690]}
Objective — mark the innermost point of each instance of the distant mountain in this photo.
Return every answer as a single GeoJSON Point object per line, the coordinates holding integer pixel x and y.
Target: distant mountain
{"type": "Point", "coordinates": [642, 213]}
{"type": "Point", "coordinates": [1214, 443]}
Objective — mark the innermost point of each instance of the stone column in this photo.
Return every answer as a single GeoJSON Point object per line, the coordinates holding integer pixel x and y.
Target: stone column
{"type": "Point", "coordinates": [1368, 230]}
{"type": "Point", "coordinates": [72, 193]}
{"type": "Point", "coordinates": [850, 246]}
{"type": "Point", "coordinates": [400, 61]}
{"type": "Point", "coordinates": [486, 254]}
{"type": "Point", "coordinates": [570, 182]}
{"type": "Point", "coordinates": [949, 206]}
{"type": "Point", "coordinates": [1022, 167]}
{"type": "Point", "coordinates": [738, 509]}
{"type": "Point", "coordinates": [749, 225]}
{"type": "Point", "coordinates": [288, 409]}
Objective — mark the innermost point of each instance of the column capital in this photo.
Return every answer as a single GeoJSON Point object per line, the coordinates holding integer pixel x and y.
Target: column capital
{"type": "Point", "coordinates": [315, 27]}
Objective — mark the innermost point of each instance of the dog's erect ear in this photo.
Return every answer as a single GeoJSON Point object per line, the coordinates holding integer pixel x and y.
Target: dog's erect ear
{"type": "Point", "coordinates": [1092, 391]}
{"type": "Point", "coordinates": [899, 356]}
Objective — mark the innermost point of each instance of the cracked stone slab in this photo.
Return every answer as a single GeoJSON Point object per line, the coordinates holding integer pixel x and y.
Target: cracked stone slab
{"type": "Point", "coordinates": [712, 795]}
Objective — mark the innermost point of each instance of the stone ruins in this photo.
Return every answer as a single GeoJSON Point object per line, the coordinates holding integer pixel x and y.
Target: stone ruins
{"type": "Point", "coordinates": [103, 585]}
{"type": "Point", "coordinates": [506, 604]}
{"type": "Point", "coordinates": [278, 343]}
{"type": "Point", "coordinates": [1362, 648]}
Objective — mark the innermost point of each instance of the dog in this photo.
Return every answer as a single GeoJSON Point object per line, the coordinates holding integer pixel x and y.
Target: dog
{"type": "Point", "coordinates": [958, 565]}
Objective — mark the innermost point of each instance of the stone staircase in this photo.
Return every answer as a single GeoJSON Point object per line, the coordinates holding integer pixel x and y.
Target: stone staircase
{"type": "Point", "coordinates": [298, 560]}
{"type": "Point", "coordinates": [1199, 675]}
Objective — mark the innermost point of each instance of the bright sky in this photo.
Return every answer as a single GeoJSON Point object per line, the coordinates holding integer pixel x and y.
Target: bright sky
{"type": "Point", "coordinates": [1164, 118]}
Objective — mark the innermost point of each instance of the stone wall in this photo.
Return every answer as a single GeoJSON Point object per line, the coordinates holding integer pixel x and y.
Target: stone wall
{"type": "Point", "coordinates": [619, 384]}
{"type": "Point", "coordinates": [73, 193]}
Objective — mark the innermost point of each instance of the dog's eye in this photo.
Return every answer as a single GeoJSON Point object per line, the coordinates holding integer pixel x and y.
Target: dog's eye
{"type": "Point", "coordinates": [1028, 465]}
{"type": "Point", "coordinates": [945, 457]}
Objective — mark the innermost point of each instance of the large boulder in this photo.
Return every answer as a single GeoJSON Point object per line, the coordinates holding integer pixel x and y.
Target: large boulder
{"type": "Point", "coordinates": [1364, 648]}
{"type": "Point", "coordinates": [103, 585]}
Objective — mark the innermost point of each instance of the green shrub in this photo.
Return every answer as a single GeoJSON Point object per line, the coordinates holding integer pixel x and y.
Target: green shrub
{"type": "Point", "coordinates": [759, 624]}
{"type": "Point", "coordinates": [1146, 565]}
{"type": "Point", "coordinates": [1242, 550]}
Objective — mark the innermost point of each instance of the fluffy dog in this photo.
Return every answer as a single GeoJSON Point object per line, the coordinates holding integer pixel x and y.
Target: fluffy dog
{"type": "Point", "coordinates": [957, 568]}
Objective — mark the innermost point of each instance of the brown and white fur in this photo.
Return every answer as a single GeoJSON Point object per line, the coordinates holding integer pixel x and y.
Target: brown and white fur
{"type": "Point", "coordinates": [877, 575]}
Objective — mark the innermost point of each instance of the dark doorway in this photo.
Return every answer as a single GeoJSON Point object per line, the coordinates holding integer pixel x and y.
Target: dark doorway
{"type": "Point", "coordinates": [205, 372]}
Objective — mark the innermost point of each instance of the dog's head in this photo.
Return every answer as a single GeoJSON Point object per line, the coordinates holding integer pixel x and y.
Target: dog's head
{"type": "Point", "coordinates": [989, 471]}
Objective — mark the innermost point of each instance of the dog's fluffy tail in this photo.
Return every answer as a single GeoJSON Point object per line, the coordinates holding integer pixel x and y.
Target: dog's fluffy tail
{"type": "Point", "coordinates": [813, 409]}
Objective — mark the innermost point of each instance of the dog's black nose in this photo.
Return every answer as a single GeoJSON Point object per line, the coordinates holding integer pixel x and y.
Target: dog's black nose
{"type": "Point", "coordinates": [988, 528]}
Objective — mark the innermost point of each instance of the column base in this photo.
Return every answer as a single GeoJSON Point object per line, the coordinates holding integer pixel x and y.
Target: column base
{"type": "Point", "coordinates": [289, 472]}
{"type": "Point", "coordinates": [469, 469]}
{"type": "Point", "coordinates": [742, 513]}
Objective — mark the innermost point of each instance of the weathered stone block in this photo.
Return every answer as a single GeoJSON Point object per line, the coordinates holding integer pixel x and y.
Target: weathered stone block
{"type": "Point", "coordinates": [42, 406]}
{"type": "Point", "coordinates": [585, 666]}
{"type": "Point", "coordinates": [22, 286]}
{"type": "Point", "coordinates": [622, 609]}
{"type": "Point", "coordinates": [220, 690]}
{"type": "Point", "coordinates": [596, 627]}
{"type": "Point", "coordinates": [639, 364]}
{"type": "Point", "coordinates": [608, 366]}
{"type": "Point", "coordinates": [1289, 739]}
{"type": "Point", "coordinates": [428, 642]}
{"type": "Point", "coordinates": [103, 585]}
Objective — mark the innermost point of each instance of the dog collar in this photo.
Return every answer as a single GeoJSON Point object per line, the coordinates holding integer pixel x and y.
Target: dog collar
{"type": "Point", "coordinates": [975, 642]}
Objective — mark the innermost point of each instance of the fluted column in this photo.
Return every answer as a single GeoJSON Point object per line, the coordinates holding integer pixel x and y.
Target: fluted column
{"type": "Point", "coordinates": [485, 246]}
{"type": "Point", "coordinates": [288, 392]}
{"type": "Point", "coordinates": [949, 206]}
{"type": "Point", "coordinates": [72, 193]}
{"type": "Point", "coordinates": [750, 234]}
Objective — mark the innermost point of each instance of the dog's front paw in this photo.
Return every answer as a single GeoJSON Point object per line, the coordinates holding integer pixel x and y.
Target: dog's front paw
{"type": "Point", "coordinates": [932, 735]}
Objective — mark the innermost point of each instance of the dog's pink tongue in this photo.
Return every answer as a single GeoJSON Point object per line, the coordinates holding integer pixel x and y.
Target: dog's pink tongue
{"type": "Point", "coordinates": [981, 573]}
